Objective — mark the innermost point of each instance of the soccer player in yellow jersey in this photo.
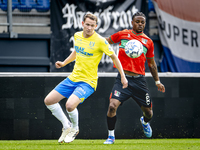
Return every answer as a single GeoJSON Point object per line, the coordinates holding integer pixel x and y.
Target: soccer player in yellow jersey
{"type": "Point", "coordinates": [89, 48]}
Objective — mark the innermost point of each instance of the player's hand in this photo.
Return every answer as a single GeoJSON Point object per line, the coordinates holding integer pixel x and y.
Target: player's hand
{"type": "Point", "coordinates": [59, 64]}
{"type": "Point", "coordinates": [161, 87]}
{"type": "Point", "coordinates": [124, 82]}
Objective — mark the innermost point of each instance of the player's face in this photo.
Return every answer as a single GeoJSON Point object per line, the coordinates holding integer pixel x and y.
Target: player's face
{"type": "Point", "coordinates": [88, 27]}
{"type": "Point", "coordinates": [138, 23]}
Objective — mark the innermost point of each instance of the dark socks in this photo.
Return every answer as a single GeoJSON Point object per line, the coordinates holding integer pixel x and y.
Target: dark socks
{"type": "Point", "coordinates": [111, 122]}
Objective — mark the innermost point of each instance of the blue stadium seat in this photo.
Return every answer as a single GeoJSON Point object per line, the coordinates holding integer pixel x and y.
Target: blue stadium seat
{"type": "Point", "coordinates": [151, 6]}
{"type": "Point", "coordinates": [3, 4]}
{"type": "Point", "coordinates": [26, 5]}
{"type": "Point", "coordinates": [42, 5]}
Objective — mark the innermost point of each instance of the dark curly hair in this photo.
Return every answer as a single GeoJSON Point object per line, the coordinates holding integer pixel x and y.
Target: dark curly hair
{"type": "Point", "coordinates": [138, 14]}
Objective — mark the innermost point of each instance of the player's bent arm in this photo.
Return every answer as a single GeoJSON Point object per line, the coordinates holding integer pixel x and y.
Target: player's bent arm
{"type": "Point", "coordinates": [154, 72]}
{"type": "Point", "coordinates": [69, 59]}
{"type": "Point", "coordinates": [120, 69]}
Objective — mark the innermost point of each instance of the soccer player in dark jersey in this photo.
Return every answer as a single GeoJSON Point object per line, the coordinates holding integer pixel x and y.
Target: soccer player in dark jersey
{"type": "Point", "coordinates": [134, 68]}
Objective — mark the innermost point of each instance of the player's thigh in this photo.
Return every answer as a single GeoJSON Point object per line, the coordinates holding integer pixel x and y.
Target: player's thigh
{"type": "Point", "coordinates": [118, 94]}
{"type": "Point", "coordinates": [140, 92]}
{"type": "Point", "coordinates": [81, 92]}
{"type": "Point", "coordinates": [72, 102]}
{"type": "Point", "coordinates": [66, 87]}
{"type": "Point", "coordinates": [53, 97]}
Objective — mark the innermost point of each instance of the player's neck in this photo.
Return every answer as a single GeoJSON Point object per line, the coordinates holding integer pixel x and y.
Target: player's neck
{"type": "Point", "coordinates": [137, 32]}
{"type": "Point", "coordinates": [87, 35]}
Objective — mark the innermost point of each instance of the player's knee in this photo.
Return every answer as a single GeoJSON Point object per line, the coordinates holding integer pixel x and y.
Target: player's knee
{"type": "Point", "coordinates": [149, 114]}
{"type": "Point", "coordinates": [112, 108]}
{"type": "Point", "coordinates": [47, 101]}
{"type": "Point", "coordinates": [69, 107]}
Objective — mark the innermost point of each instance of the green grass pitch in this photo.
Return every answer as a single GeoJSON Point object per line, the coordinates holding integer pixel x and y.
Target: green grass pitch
{"type": "Point", "coordinates": [126, 144]}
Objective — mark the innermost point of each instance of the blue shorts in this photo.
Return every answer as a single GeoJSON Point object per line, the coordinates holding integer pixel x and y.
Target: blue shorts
{"type": "Point", "coordinates": [80, 89]}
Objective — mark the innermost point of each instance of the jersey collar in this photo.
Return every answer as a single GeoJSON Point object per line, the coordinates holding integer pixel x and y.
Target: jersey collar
{"type": "Point", "coordinates": [137, 33]}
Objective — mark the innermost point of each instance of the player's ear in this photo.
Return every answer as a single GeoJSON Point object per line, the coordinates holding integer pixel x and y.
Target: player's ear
{"type": "Point", "coordinates": [82, 23]}
{"type": "Point", "coordinates": [132, 22]}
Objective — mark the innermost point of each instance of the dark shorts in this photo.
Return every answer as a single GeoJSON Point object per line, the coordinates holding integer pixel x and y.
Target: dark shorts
{"type": "Point", "coordinates": [137, 89]}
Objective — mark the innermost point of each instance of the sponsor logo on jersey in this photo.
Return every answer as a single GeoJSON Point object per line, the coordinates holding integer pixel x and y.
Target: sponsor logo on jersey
{"type": "Point", "coordinates": [144, 41]}
{"type": "Point", "coordinates": [79, 39]}
{"type": "Point", "coordinates": [123, 43]}
{"type": "Point", "coordinates": [117, 93]}
{"type": "Point", "coordinates": [91, 44]}
{"type": "Point", "coordinates": [80, 50]}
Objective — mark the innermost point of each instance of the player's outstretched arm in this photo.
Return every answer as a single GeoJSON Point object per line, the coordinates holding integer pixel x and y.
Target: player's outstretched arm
{"type": "Point", "coordinates": [153, 69]}
{"type": "Point", "coordinates": [120, 69]}
{"type": "Point", "coordinates": [69, 59]}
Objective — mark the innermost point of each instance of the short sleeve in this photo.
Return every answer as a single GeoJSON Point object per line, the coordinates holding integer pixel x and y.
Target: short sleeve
{"type": "Point", "coordinates": [106, 48]}
{"type": "Point", "coordinates": [115, 38]}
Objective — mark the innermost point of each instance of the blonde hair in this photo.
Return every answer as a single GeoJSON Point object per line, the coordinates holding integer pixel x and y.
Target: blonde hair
{"type": "Point", "coordinates": [91, 16]}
